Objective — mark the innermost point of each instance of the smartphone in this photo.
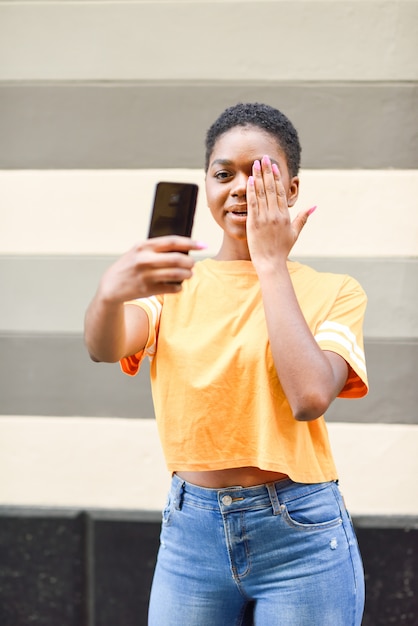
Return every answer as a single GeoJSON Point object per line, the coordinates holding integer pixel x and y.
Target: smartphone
{"type": "Point", "coordinates": [173, 210]}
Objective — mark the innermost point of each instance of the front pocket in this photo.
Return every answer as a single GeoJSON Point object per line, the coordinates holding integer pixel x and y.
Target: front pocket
{"type": "Point", "coordinates": [316, 510]}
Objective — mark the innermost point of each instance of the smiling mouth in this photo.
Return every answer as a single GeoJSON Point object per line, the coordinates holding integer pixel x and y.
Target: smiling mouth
{"type": "Point", "coordinates": [239, 211]}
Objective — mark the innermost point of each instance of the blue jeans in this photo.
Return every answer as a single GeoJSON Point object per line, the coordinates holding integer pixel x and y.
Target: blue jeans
{"type": "Point", "coordinates": [280, 554]}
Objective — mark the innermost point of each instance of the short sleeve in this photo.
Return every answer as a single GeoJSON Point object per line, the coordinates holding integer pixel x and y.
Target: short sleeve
{"type": "Point", "coordinates": [152, 306]}
{"type": "Point", "coordinates": [342, 332]}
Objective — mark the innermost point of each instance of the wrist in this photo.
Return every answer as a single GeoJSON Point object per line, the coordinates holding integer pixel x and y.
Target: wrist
{"type": "Point", "coordinates": [271, 267]}
{"type": "Point", "coordinates": [106, 297]}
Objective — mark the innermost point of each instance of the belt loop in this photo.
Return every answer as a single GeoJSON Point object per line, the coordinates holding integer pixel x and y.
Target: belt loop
{"type": "Point", "coordinates": [271, 488]}
{"type": "Point", "coordinates": [178, 495]}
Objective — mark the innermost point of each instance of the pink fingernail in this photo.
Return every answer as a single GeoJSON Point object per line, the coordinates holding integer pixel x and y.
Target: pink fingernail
{"type": "Point", "coordinates": [311, 210]}
{"type": "Point", "coordinates": [251, 180]}
{"type": "Point", "coordinates": [275, 169]}
{"type": "Point", "coordinates": [257, 165]}
{"type": "Point", "coordinates": [201, 245]}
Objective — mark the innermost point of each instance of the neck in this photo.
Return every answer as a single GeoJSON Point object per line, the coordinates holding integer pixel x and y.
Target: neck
{"type": "Point", "coordinates": [236, 250]}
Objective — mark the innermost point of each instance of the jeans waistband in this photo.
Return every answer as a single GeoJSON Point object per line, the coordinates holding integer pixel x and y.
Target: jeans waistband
{"type": "Point", "coordinates": [237, 498]}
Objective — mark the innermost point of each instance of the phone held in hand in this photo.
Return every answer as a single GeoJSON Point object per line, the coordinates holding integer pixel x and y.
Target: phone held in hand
{"type": "Point", "coordinates": [173, 210]}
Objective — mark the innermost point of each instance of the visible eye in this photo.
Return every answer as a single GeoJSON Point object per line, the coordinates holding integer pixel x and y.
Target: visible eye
{"type": "Point", "coordinates": [222, 175]}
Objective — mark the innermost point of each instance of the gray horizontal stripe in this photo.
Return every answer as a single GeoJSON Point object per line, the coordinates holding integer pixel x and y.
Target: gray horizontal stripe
{"type": "Point", "coordinates": [49, 294]}
{"type": "Point", "coordinates": [393, 395]}
{"type": "Point", "coordinates": [163, 124]}
{"type": "Point", "coordinates": [52, 375]}
{"type": "Point", "coordinates": [391, 288]}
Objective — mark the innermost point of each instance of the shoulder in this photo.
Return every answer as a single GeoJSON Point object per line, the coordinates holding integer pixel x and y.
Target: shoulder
{"type": "Point", "coordinates": [339, 284]}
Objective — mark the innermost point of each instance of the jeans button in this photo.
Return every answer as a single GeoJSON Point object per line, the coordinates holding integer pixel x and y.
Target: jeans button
{"type": "Point", "coordinates": [226, 500]}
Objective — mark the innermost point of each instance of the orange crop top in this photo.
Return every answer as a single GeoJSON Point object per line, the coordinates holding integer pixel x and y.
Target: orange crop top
{"type": "Point", "coordinates": [217, 398]}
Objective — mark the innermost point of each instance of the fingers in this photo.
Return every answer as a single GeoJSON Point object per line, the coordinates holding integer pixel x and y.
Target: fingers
{"type": "Point", "coordinates": [268, 210]}
{"type": "Point", "coordinates": [173, 243]}
{"type": "Point", "coordinates": [266, 190]}
{"type": "Point", "coordinates": [268, 193]}
{"type": "Point", "coordinates": [280, 190]}
{"type": "Point", "coordinates": [163, 262]}
{"type": "Point", "coordinates": [166, 261]}
{"type": "Point", "coordinates": [157, 265]}
{"type": "Point", "coordinates": [160, 270]}
{"type": "Point", "coordinates": [264, 185]}
{"type": "Point", "coordinates": [274, 190]}
{"type": "Point", "coordinates": [259, 194]}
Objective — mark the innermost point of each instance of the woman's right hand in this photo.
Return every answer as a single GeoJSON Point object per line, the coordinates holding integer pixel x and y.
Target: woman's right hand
{"type": "Point", "coordinates": [154, 266]}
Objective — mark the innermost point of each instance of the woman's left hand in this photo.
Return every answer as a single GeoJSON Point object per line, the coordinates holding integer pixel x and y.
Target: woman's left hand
{"type": "Point", "coordinates": [271, 234]}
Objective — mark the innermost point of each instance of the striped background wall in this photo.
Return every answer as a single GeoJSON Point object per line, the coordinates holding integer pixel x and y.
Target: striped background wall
{"type": "Point", "coordinates": [101, 99]}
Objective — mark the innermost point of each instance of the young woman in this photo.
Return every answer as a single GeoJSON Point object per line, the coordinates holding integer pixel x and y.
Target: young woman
{"type": "Point", "coordinates": [247, 354]}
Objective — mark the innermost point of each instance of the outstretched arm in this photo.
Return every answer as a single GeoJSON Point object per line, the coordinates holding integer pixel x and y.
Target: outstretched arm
{"type": "Point", "coordinates": [113, 329]}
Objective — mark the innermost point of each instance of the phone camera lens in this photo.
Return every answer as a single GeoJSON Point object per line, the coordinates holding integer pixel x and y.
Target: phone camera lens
{"type": "Point", "coordinates": [174, 199]}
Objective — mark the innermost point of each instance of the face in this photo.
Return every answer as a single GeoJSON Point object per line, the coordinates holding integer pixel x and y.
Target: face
{"type": "Point", "coordinates": [230, 165]}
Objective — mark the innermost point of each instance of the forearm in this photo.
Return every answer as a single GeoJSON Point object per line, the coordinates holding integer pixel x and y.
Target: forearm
{"type": "Point", "coordinates": [304, 371]}
{"type": "Point", "coordinates": [104, 330]}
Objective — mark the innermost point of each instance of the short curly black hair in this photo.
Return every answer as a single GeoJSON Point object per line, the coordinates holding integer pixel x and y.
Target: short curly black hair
{"type": "Point", "coordinates": [264, 116]}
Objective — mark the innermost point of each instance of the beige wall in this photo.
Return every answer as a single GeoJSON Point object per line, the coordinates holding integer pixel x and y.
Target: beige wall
{"type": "Point", "coordinates": [105, 212]}
{"type": "Point", "coordinates": [195, 40]}
{"type": "Point", "coordinates": [117, 463]}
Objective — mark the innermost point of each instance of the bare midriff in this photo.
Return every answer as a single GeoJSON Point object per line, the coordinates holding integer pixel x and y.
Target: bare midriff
{"type": "Point", "coordinates": [239, 476]}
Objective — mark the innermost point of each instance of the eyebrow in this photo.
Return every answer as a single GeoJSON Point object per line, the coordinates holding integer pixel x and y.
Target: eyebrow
{"type": "Point", "coordinates": [221, 162]}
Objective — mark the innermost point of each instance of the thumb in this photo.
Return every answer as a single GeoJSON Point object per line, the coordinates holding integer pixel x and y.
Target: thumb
{"type": "Point", "coordinates": [301, 219]}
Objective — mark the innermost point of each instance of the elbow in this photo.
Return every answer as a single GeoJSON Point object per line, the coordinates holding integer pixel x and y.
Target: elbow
{"type": "Point", "coordinates": [310, 408]}
{"type": "Point", "coordinates": [306, 416]}
{"type": "Point", "coordinates": [92, 355]}
{"type": "Point", "coordinates": [100, 354]}
{"type": "Point", "coordinates": [104, 359]}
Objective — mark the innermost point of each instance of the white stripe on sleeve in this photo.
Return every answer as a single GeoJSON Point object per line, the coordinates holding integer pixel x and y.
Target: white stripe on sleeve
{"type": "Point", "coordinates": [341, 334]}
{"type": "Point", "coordinates": [154, 307]}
